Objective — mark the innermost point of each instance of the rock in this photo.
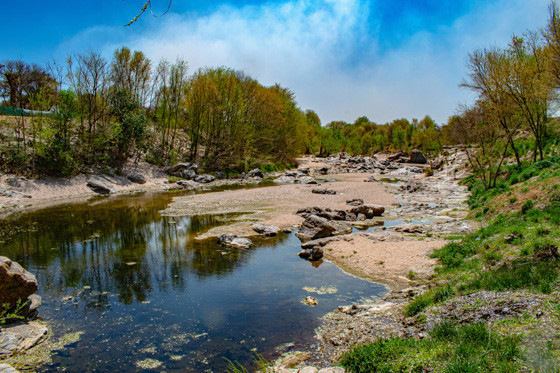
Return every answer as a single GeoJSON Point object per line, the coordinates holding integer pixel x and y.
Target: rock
{"type": "Point", "coordinates": [188, 183]}
{"type": "Point", "coordinates": [16, 284]}
{"type": "Point", "coordinates": [355, 202]}
{"type": "Point", "coordinates": [307, 180]}
{"type": "Point", "coordinates": [304, 170]}
{"type": "Point", "coordinates": [187, 174]}
{"type": "Point", "coordinates": [180, 167]}
{"type": "Point", "coordinates": [368, 210]}
{"type": "Point", "coordinates": [313, 254]}
{"type": "Point", "coordinates": [137, 178]}
{"type": "Point", "coordinates": [371, 179]}
{"type": "Point", "coordinates": [13, 182]}
{"type": "Point", "coordinates": [317, 227]}
{"type": "Point", "coordinates": [13, 194]}
{"type": "Point", "coordinates": [416, 156]}
{"type": "Point", "coordinates": [204, 179]}
{"type": "Point", "coordinates": [323, 170]}
{"type": "Point", "coordinates": [256, 173]}
{"type": "Point", "coordinates": [99, 186]}
{"type": "Point", "coordinates": [220, 175]}
{"type": "Point", "coordinates": [6, 368]}
{"type": "Point", "coordinates": [286, 179]}
{"type": "Point", "coordinates": [21, 336]}
{"type": "Point", "coordinates": [323, 191]}
{"type": "Point", "coordinates": [324, 213]}
{"type": "Point", "coordinates": [309, 370]}
{"type": "Point", "coordinates": [409, 228]}
{"type": "Point", "coordinates": [265, 229]}
{"type": "Point", "coordinates": [231, 240]}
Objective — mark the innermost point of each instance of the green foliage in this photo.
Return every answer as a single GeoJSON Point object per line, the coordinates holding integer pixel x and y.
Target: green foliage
{"type": "Point", "coordinates": [10, 313]}
{"type": "Point", "coordinates": [450, 348]}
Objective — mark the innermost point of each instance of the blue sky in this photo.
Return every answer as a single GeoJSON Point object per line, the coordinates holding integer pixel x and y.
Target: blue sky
{"type": "Point", "coordinates": [385, 59]}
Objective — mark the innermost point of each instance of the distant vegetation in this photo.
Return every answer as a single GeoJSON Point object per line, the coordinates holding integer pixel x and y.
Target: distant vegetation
{"type": "Point", "coordinates": [91, 112]}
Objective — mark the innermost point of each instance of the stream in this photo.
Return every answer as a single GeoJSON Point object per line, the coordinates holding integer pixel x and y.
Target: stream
{"type": "Point", "coordinates": [145, 295]}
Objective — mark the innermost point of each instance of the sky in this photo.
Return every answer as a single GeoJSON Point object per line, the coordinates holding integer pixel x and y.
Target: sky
{"type": "Point", "coordinates": [384, 59]}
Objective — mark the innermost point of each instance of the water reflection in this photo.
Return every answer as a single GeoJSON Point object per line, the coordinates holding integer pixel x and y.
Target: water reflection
{"type": "Point", "coordinates": [141, 286]}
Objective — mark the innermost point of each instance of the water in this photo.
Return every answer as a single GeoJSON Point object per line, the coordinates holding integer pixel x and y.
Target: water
{"type": "Point", "coordinates": [140, 287]}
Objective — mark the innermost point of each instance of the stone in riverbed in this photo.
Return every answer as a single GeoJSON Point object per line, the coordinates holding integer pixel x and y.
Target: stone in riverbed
{"type": "Point", "coordinates": [180, 167]}
{"type": "Point", "coordinates": [265, 229]}
{"type": "Point", "coordinates": [323, 191]}
{"type": "Point", "coordinates": [137, 178]}
{"type": "Point", "coordinates": [99, 186]}
{"type": "Point", "coordinates": [256, 173]}
{"type": "Point", "coordinates": [188, 183]}
{"type": "Point", "coordinates": [368, 210]}
{"type": "Point", "coordinates": [313, 254]}
{"type": "Point", "coordinates": [204, 179]}
{"type": "Point", "coordinates": [16, 284]}
{"type": "Point", "coordinates": [231, 240]}
{"type": "Point", "coordinates": [317, 227]}
{"type": "Point", "coordinates": [355, 202]}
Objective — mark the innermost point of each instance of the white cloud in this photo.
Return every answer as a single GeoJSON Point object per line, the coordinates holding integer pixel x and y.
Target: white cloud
{"type": "Point", "coordinates": [309, 47]}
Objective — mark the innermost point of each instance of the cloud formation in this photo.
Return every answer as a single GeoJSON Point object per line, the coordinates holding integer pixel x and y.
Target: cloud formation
{"type": "Point", "coordinates": [328, 52]}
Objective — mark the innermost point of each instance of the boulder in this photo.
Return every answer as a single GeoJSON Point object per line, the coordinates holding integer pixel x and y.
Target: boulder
{"type": "Point", "coordinates": [355, 202]}
{"type": "Point", "coordinates": [187, 174]}
{"type": "Point", "coordinates": [368, 210]}
{"type": "Point", "coordinates": [323, 170]}
{"type": "Point", "coordinates": [99, 185]}
{"type": "Point", "coordinates": [323, 191]}
{"type": "Point", "coordinates": [137, 178]}
{"type": "Point", "coordinates": [204, 179]}
{"type": "Point", "coordinates": [220, 175]}
{"type": "Point", "coordinates": [324, 213]}
{"type": "Point", "coordinates": [256, 173]}
{"type": "Point", "coordinates": [188, 183]}
{"type": "Point", "coordinates": [13, 182]}
{"type": "Point", "coordinates": [306, 180]}
{"type": "Point", "coordinates": [231, 240]}
{"type": "Point", "coordinates": [180, 167]}
{"type": "Point", "coordinates": [317, 227]}
{"type": "Point", "coordinates": [313, 254]}
{"type": "Point", "coordinates": [265, 229]}
{"type": "Point", "coordinates": [16, 284]}
{"type": "Point", "coordinates": [286, 179]}
{"type": "Point", "coordinates": [416, 156]}
{"type": "Point", "coordinates": [371, 179]}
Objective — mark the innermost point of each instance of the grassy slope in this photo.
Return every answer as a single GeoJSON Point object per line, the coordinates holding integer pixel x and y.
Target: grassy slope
{"type": "Point", "coordinates": [514, 254]}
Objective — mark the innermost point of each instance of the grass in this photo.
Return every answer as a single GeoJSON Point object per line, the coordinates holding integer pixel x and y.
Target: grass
{"type": "Point", "coordinates": [449, 348]}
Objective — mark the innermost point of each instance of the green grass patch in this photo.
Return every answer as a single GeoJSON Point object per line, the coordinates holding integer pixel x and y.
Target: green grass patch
{"type": "Point", "coordinates": [449, 348]}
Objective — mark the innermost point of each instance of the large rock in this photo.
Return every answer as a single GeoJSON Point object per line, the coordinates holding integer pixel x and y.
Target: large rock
{"type": "Point", "coordinates": [205, 179]}
{"type": "Point", "coordinates": [16, 284]}
{"type": "Point", "coordinates": [417, 157]}
{"type": "Point", "coordinates": [180, 167]}
{"type": "Point", "coordinates": [312, 254]}
{"type": "Point", "coordinates": [188, 183]}
{"type": "Point", "coordinates": [137, 178]}
{"type": "Point", "coordinates": [231, 240]}
{"type": "Point", "coordinates": [317, 227]}
{"type": "Point", "coordinates": [265, 229]}
{"type": "Point", "coordinates": [286, 179]}
{"type": "Point", "coordinates": [99, 185]}
{"type": "Point", "coordinates": [256, 173]}
{"type": "Point", "coordinates": [188, 174]}
{"type": "Point", "coordinates": [369, 211]}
